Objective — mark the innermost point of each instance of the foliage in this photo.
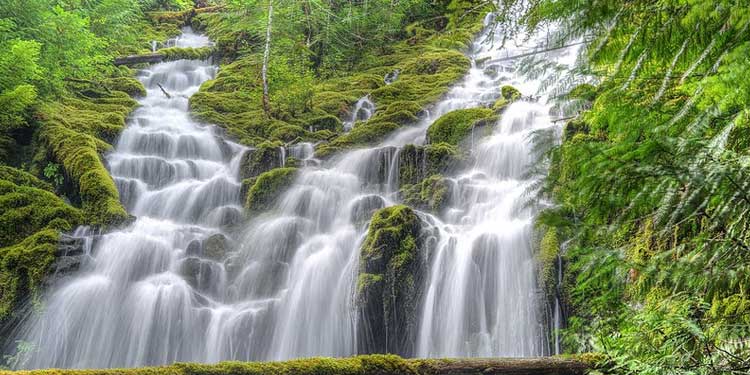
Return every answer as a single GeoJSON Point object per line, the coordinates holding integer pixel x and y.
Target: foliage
{"type": "Point", "coordinates": [652, 199]}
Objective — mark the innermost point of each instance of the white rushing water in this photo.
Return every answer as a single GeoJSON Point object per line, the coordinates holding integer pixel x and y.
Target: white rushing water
{"type": "Point", "coordinates": [162, 290]}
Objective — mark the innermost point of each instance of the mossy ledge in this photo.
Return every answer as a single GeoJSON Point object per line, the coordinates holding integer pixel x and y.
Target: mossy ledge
{"type": "Point", "coordinates": [359, 365]}
{"type": "Point", "coordinates": [33, 216]}
{"type": "Point", "coordinates": [456, 126]}
{"type": "Point", "coordinates": [75, 132]}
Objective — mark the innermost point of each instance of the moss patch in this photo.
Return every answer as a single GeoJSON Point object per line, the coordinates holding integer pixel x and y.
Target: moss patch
{"type": "Point", "coordinates": [267, 187]}
{"type": "Point", "coordinates": [428, 63]}
{"type": "Point", "coordinates": [455, 126]}
{"type": "Point", "coordinates": [31, 217]}
{"type": "Point", "coordinates": [74, 132]}
{"type": "Point", "coordinates": [418, 162]}
{"type": "Point", "coordinates": [432, 193]}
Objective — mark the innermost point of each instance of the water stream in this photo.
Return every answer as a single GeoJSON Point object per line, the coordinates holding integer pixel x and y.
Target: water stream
{"type": "Point", "coordinates": [175, 286]}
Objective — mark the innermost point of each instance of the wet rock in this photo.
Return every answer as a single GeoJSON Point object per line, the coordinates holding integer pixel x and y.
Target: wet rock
{"type": "Point", "coordinates": [389, 286]}
{"type": "Point", "coordinates": [194, 248]}
{"type": "Point", "coordinates": [216, 247]}
{"type": "Point", "coordinates": [267, 156]}
{"type": "Point", "coordinates": [363, 208]}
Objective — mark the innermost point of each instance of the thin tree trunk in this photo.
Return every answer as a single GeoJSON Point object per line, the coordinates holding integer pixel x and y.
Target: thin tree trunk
{"type": "Point", "coordinates": [266, 54]}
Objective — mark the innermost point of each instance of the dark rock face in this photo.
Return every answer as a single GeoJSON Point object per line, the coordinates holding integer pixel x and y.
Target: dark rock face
{"type": "Point", "coordinates": [389, 289]}
{"type": "Point", "coordinates": [71, 253]}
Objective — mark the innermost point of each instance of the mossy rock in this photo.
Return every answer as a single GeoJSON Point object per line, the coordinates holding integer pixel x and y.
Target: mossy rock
{"type": "Point", "coordinates": [455, 126]}
{"type": "Point", "coordinates": [20, 177]}
{"type": "Point", "coordinates": [418, 162]}
{"type": "Point", "coordinates": [510, 93]}
{"type": "Point", "coordinates": [31, 218]}
{"type": "Point", "coordinates": [389, 285]}
{"type": "Point", "coordinates": [267, 188]}
{"type": "Point", "coordinates": [549, 250]}
{"type": "Point", "coordinates": [25, 210]}
{"type": "Point", "coordinates": [325, 122]}
{"type": "Point", "coordinates": [265, 157]}
{"type": "Point", "coordinates": [23, 269]}
{"type": "Point", "coordinates": [431, 194]}
{"type": "Point", "coordinates": [75, 132]}
{"type": "Point", "coordinates": [129, 85]}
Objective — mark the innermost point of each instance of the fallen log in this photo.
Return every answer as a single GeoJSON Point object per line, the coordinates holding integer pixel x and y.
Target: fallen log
{"type": "Point", "coordinates": [151, 58]}
{"type": "Point", "coordinates": [364, 364]}
{"type": "Point", "coordinates": [502, 366]}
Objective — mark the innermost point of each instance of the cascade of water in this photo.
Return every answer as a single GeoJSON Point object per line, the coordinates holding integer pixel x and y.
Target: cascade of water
{"type": "Point", "coordinates": [145, 294]}
{"type": "Point", "coordinates": [304, 152]}
{"type": "Point", "coordinates": [172, 288]}
{"type": "Point", "coordinates": [364, 108]}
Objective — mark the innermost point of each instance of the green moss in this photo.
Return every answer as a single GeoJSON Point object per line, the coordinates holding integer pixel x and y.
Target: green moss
{"type": "Point", "coordinates": [325, 122]}
{"type": "Point", "coordinates": [129, 85]}
{"type": "Point", "coordinates": [177, 53]}
{"type": "Point", "coordinates": [389, 286]}
{"type": "Point", "coordinates": [418, 162]}
{"type": "Point", "coordinates": [31, 217]}
{"type": "Point", "coordinates": [432, 193]}
{"type": "Point", "coordinates": [510, 93]}
{"type": "Point", "coordinates": [267, 188]}
{"type": "Point", "coordinates": [263, 158]}
{"type": "Point", "coordinates": [19, 177]}
{"type": "Point", "coordinates": [453, 127]}
{"type": "Point", "coordinates": [25, 210]}
{"type": "Point", "coordinates": [23, 267]}
{"type": "Point", "coordinates": [427, 70]}
{"type": "Point", "coordinates": [549, 250]}
{"type": "Point", "coordinates": [74, 132]}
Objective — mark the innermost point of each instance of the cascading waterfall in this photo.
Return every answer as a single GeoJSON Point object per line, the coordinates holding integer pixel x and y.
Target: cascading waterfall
{"type": "Point", "coordinates": [132, 303]}
{"type": "Point", "coordinates": [364, 108]}
{"type": "Point", "coordinates": [174, 286]}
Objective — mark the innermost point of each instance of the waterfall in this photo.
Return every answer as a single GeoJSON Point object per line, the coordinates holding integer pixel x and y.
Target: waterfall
{"type": "Point", "coordinates": [364, 108]}
{"type": "Point", "coordinates": [145, 294]}
{"type": "Point", "coordinates": [176, 286]}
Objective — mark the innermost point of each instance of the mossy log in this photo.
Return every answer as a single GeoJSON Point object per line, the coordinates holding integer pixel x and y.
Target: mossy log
{"type": "Point", "coordinates": [166, 54]}
{"type": "Point", "coordinates": [359, 365]}
{"type": "Point", "coordinates": [150, 58]}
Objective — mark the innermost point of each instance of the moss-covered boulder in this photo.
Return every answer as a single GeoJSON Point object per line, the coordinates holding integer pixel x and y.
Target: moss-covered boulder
{"type": "Point", "coordinates": [431, 194]}
{"type": "Point", "coordinates": [129, 85]}
{"type": "Point", "coordinates": [508, 95]}
{"type": "Point", "coordinates": [267, 188]}
{"type": "Point", "coordinates": [31, 218]}
{"type": "Point", "coordinates": [389, 285]}
{"type": "Point", "coordinates": [418, 162]}
{"type": "Point", "coordinates": [263, 158]}
{"type": "Point", "coordinates": [455, 126]}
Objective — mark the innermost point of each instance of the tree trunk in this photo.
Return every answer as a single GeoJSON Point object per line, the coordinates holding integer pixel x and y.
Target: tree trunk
{"type": "Point", "coordinates": [266, 54]}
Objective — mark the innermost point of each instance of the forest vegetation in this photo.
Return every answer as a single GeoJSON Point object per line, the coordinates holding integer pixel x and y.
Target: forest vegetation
{"type": "Point", "coordinates": [650, 186]}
